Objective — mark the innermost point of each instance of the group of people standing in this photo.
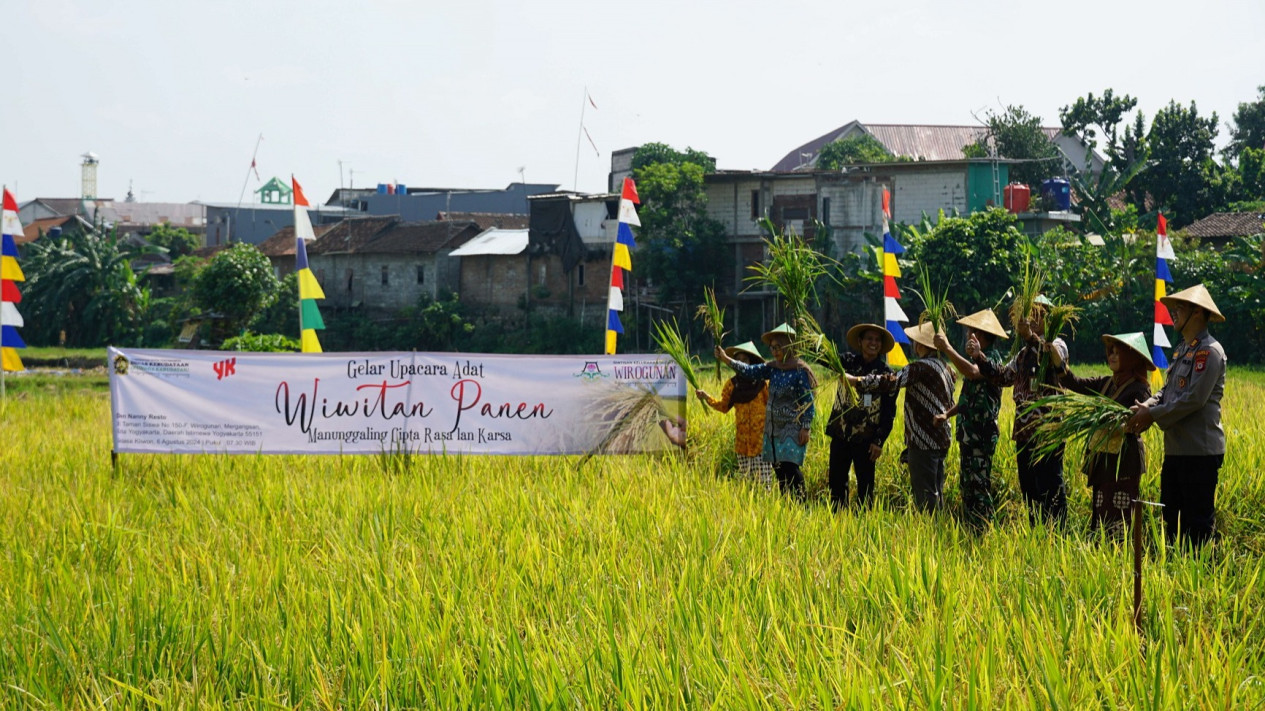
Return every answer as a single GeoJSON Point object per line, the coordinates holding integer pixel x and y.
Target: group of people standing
{"type": "Point", "coordinates": [774, 405]}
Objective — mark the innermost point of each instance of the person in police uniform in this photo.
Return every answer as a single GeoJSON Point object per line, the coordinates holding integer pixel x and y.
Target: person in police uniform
{"type": "Point", "coordinates": [1188, 410]}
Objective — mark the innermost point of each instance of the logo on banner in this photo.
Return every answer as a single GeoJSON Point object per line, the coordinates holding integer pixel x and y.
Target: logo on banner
{"type": "Point", "coordinates": [591, 371]}
{"type": "Point", "coordinates": [225, 368]}
{"type": "Point", "coordinates": [120, 365]}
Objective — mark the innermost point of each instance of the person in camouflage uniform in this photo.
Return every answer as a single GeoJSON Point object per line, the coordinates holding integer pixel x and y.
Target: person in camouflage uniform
{"type": "Point", "coordinates": [977, 409]}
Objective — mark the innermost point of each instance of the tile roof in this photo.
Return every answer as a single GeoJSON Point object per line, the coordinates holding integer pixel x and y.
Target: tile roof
{"type": "Point", "coordinates": [486, 220]}
{"type": "Point", "coordinates": [350, 234]}
{"type": "Point", "coordinates": [32, 231]}
{"type": "Point", "coordinates": [420, 237]}
{"type": "Point", "coordinates": [281, 244]}
{"type": "Point", "coordinates": [1227, 224]}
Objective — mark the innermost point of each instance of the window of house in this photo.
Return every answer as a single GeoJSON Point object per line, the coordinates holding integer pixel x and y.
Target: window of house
{"type": "Point", "coordinates": [755, 204]}
{"type": "Point", "coordinates": [421, 274]}
{"type": "Point", "coordinates": [580, 274]}
{"type": "Point", "coordinates": [825, 211]}
{"type": "Point", "coordinates": [351, 278]}
{"type": "Point", "coordinates": [794, 213]}
{"type": "Point", "coordinates": [386, 275]}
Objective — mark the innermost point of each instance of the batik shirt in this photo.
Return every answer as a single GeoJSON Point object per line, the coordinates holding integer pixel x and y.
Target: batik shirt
{"type": "Point", "coordinates": [1021, 375]}
{"type": "Point", "coordinates": [748, 416]}
{"type": "Point", "coordinates": [790, 409]}
{"type": "Point", "coordinates": [869, 420]}
{"type": "Point", "coordinates": [929, 392]}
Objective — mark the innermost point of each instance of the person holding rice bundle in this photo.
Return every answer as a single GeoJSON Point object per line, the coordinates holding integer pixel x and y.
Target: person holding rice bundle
{"type": "Point", "coordinates": [977, 409]}
{"type": "Point", "coordinates": [1040, 477]}
{"type": "Point", "coordinates": [1115, 460]}
{"type": "Point", "coordinates": [929, 392]}
{"type": "Point", "coordinates": [747, 397]}
{"type": "Point", "coordinates": [1188, 410]}
{"type": "Point", "coordinates": [790, 410]}
{"type": "Point", "coordinates": [858, 430]}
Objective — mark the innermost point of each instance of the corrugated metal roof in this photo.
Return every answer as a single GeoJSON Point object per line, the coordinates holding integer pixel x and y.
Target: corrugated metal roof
{"type": "Point", "coordinates": [494, 241]}
{"type": "Point", "coordinates": [919, 142]}
{"type": "Point", "coordinates": [926, 142]}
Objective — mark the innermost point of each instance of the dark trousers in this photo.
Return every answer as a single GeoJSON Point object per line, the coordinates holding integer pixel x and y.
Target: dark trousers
{"type": "Point", "coordinates": [926, 477]}
{"type": "Point", "coordinates": [1042, 484]}
{"type": "Point", "coordinates": [1188, 490]}
{"type": "Point", "coordinates": [845, 455]}
{"type": "Point", "coordinates": [790, 479]}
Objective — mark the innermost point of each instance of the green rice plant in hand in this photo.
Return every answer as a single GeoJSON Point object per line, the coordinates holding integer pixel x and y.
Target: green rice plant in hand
{"type": "Point", "coordinates": [668, 338]}
{"type": "Point", "coordinates": [792, 270]}
{"type": "Point", "coordinates": [713, 318]}
{"type": "Point", "coordinates": [937, 309]}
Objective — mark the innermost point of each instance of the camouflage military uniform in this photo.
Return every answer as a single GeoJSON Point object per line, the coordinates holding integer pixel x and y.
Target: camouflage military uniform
{"type": "Point", "coordinates": [978, 407]}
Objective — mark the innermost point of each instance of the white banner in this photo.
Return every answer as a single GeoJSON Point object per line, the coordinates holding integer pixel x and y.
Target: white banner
{"type": "Point", "coordinates": [169, 401]}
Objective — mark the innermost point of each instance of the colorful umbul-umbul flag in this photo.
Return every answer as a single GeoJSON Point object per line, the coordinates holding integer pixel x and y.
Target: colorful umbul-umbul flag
{"type": "Point", "coordinates": [10, 275]}
{"type": "Point", "coordinates": [893, 315]}
{"type": "Point", "coordinates": [621, 261]}
{"type": "Point", "coordinates": [310, 320]}
{"type": "Point", "coordinates": [1163, 253]}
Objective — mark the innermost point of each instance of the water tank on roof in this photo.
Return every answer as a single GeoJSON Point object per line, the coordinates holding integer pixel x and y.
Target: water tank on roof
{"type": "Point", "coordinates": [1058, 193]}
{"type": "Point", "coordinates": [1016, 197]}
{"type": "Point", "coordinates": [382, 188]}
{"type": "Point", "coordinates": [400, 189]}
{"type": "Point", "coordinates": [390, 189]}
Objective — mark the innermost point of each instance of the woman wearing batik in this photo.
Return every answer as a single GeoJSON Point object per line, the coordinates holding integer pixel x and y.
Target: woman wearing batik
{"type": "Point", "coordinates": [1115, 460]}
{"type": "Point", "coordinates": [790, 410]}
{"type": "Point", "coordinates": [747, 397]}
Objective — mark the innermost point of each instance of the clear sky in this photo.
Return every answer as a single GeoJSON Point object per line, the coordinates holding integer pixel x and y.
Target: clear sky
{"type": "Point", "coordinates": [172, 95]}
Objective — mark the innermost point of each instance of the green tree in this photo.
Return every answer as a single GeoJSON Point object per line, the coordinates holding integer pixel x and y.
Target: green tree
{"type": "Point", "coordinates": [1183, 178]}
{"type": "Point", "coordinates": [178, 241]}
{"type": "Point", "coordinates": [280, 313]}
{"type": "Point", "coordinates": [237, 284]}
{"type": "Point", "coordinates": [83, 285]}
{"type": "Point", "coordinates": [1018, 135]}
{"type": "Point", "coordinates": [1251, 174]}
{"type": "Point", "coordinates": [680, 249]}
{"type": "Point", "coordinates": [1248, 127]}
{"type": "Point", "coordinates": [1090, 117]}
{"type": "Point", "coordinates": [976, 257]}
{"type": "Point", "coordinates": [863, 148]}
{"type": "Point", "coordinates": [1125, 150]}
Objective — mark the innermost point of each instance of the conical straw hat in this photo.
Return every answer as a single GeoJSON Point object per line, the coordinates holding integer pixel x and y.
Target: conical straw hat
{"type": "Point", "coordinates": [855, 333]}
{"type": "Point", "coordinates": [1135, 342]}
{"type": "Point", "coordinates": [922, 334]}
{"type": "Point", "coordinates": [748, 348]}
{"type": "Point", "coordinates": [985, 321]}
{"type": "Point", "coordinates": [1197, 295]}
{"type": "Point", "coordinates": [783, 330]}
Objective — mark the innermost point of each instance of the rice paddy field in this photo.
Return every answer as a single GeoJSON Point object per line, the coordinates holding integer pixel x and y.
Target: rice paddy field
{"type": "Point", "coordinates": [636, 581]}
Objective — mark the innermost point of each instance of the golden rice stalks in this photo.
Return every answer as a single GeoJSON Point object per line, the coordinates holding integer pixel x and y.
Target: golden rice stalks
{"type": "Point", "coordinates": [669, 339]}
{"type": "Point", "coordinates": [1071, 417]}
